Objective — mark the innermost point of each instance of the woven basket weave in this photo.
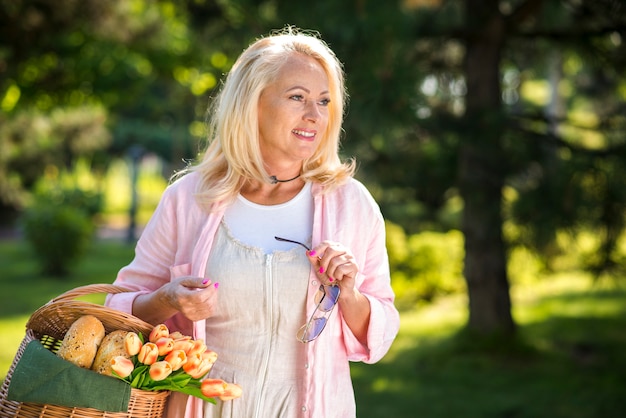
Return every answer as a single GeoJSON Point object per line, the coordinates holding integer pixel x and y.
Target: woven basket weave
{"type": "Point", "coordinates": [49, 324]}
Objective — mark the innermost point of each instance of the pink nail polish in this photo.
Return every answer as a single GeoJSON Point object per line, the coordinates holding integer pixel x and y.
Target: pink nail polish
{"type": "Point", "coordinates": [216, 285]}
{"type": "Point", "coordinates": [330, 279]}
{"type": "Point", "coordinates": [321, 270]}
{"type": "Point", "coordinates": [312, 253]}
{"type": "Point", "coordinates": [205, 281]}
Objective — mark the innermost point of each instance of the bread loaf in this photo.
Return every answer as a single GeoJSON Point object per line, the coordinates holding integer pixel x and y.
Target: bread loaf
{"type": "Point", "coordinates": [80, 343]}
{"type": "Point", "coordinates": [112, 346]}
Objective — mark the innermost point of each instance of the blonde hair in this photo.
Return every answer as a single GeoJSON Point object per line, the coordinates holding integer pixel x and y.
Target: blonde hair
{"type": "Point", "coordinates": [233, 154]}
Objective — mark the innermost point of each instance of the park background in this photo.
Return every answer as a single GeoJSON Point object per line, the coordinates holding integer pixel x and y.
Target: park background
{"type": "Point", "coordinates": [490, 132]}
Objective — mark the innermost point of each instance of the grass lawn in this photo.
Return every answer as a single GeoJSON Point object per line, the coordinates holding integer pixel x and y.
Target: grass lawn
{"type": "Point", "coordinates": [24, 289]}
{"type": "Point", "coordinates": [568, 360]}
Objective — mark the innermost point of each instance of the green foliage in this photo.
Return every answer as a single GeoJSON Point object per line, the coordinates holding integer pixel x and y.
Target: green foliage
{"type": "Point", "coordinates": [59, 227]}
{"type": "Point", "coordinates": [425, 265]}
{"type": "Point", "coordinates": [33, 141]}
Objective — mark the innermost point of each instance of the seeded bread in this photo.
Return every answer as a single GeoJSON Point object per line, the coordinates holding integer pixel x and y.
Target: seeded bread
{"type": "Point", "coordinates": [112, 346]}
{"type": "Point", "coordinates": [80, 343]}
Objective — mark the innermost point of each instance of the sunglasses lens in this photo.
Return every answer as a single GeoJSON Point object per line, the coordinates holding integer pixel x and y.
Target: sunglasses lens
{"type": "Point", "coordinates": [331, 295]}
{"type": "Point", "coordinates": [311, 330]}
{"type": "Point", "coordinates": [326, 299]}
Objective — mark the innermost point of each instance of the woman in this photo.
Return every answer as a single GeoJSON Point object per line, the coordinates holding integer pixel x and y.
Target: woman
{"type": "Point", "coordinates": [208, 263]}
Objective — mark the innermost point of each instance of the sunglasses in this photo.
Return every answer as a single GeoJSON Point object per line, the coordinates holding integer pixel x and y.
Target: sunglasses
{"type": "Point", "coordinates": [326, 298]}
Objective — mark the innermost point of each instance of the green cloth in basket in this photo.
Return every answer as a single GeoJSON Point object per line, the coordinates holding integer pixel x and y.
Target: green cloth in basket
{"type": "Point", "coordinates": [42, 377]}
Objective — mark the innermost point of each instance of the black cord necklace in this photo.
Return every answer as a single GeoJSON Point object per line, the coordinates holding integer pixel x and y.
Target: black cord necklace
{"type": "Point", "coordinates": [274, 180]}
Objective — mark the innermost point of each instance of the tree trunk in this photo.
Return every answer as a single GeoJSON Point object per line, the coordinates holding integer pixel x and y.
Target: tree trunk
{"type": "Point", "coordinates": [482, 168]}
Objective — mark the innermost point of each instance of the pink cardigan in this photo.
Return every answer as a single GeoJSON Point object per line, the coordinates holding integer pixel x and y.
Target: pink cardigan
{"type": "Point", "coordinates": [177, 241]}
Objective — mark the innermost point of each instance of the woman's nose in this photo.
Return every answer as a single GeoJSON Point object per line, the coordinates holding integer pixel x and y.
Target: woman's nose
{"type": "Point", "coordinates": [312, 112]}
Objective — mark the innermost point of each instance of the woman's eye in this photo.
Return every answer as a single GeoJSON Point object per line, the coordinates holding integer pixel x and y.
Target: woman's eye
{"type": "Point", "coordinates": [324, 102]}
{"type": "Point", "coordinates": [297, 97]}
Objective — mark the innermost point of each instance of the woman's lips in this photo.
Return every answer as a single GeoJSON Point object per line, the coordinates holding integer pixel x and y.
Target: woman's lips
{"type": "Point", "coordinates": [304, 135]}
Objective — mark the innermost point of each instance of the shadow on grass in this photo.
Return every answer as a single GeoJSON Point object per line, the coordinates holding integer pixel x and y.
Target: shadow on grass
{"type": "Point", "coordinates": [559, 367]}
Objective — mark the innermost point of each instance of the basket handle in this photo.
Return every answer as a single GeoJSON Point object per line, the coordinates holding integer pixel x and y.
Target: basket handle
{"type": "Point", "coordinates": [88, 290]}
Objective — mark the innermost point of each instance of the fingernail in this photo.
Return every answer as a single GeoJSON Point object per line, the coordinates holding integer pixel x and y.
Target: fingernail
{"type": "Point", "coordinates": [330, 279]}
{"type": "Point", "coordinates": [312, 253]}
{"type": "Point", "coordinates": [216, 285]}
{"type": "Point", "coordinates": [321, 270]}
{"type": "Point", "coordinates": [205, 281]}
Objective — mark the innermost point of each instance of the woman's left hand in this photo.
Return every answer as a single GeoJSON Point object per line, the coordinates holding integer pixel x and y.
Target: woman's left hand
{"type": "Point", "coordinates": [334, 264]}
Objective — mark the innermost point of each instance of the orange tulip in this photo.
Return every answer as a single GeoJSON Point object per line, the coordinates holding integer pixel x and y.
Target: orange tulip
{"type": "Point", "coordinates": [165, 345]}
{"type": "Point", "coordinates": [183, 344]}
{"type": "Point", "coordinates": [197, 366]}
{"type": "Point", "coordinates": [176, 335]}
{"type": "Point", "coordinates": [176, 358]}
{"type": "Point", "coordinates": [132, 343]}
{"type": "Point", "coordinates": [198, 347]}
{"type": "Point", "coordinates": [202, 368]}
{"type": "Point", "coordinates": [122, 366]}
{"type": "Point", "coordinates": [232, 391]}
{"type": "Point", "coordinates": [213, 387]}
{"type": "Point", "coordinates": [192, 363]}
{"type": "Point", "coordinates": [160, 370]}
{"type": "Point", "coordinates": [158, 332]}
{"type": "Point", "coordinates": [210, 356]}
{"type": "Point", "coordinates": [148, 353]}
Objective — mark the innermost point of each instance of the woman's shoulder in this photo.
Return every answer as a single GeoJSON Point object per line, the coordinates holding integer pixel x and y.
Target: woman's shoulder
{"type": "Point", "coordinates": [181, 191]}
{"type": "Point", "coordinates": [183, 184]}
{"type": "Point", "coordinates": [352, 192]}
{"type": "Point", "coordinates": [354, 189]}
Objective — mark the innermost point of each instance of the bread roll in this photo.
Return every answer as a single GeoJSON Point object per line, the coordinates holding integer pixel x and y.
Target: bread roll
{"type": "Point", "coordinates": [82, 340]}
{"type": "Point", "coordinates": [112, 346]}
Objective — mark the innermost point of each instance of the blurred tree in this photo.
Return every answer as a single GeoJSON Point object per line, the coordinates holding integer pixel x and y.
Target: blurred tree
{"type": "Point", "coordinates": [97, 78]}
{"type": "Point", "coordinates": [557, 163]}
{"type": "Point", "coordinates": [445, 109]}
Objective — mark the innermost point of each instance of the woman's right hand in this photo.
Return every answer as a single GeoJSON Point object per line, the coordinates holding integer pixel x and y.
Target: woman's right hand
{"type": "Point", "coordinates": [194, 297]}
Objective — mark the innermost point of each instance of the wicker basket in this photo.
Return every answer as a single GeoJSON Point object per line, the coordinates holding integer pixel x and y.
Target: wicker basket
{"type": "Point", "coordinates": [49, 324]}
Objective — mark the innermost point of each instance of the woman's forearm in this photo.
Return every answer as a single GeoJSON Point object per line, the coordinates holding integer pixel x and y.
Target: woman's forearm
{"type": "Point", "coordinates": [355, 308]}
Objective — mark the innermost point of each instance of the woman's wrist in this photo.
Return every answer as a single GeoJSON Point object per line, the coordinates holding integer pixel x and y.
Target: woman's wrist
{"type": "Point", "coordinates": [155, 307]}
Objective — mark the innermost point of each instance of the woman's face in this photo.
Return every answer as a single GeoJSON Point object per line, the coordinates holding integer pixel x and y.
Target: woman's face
{"type": "Point", "coordinates": [293, 112]}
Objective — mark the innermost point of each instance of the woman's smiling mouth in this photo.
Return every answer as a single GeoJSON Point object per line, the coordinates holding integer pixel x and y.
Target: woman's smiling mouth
{"type": "Point", "coordinates": [305, 135]}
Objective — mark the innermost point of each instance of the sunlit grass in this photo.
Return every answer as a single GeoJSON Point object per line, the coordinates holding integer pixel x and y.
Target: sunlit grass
{"type": "Point", "coordinates": [24, 289]}
{"type": "Point", "coordinates": [564, 363]}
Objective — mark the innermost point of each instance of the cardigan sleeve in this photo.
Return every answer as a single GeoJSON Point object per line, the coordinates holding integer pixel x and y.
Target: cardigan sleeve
{"type": "Point", "coordinates": [363, 230]}
{"type": "Point", "coordinates": [375, 284]}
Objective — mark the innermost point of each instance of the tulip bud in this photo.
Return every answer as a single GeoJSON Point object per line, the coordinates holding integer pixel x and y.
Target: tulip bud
{"type": "Point", "coordinates": [231, 391]}
{"type": "Point", "coordinates": [198, 347]}
{"type": "Point", "coordinates": [132, 343]}
{"type": "Point", "coordinates": [165, 345]}
{"type": "Point", "coordinates": [183, 344]}
{"type": "Point", "coordinates": [148, 353]}
{"type": "Point", "coordinates": [122, 366]}
{"type": "Point", "coordinates": [213, 387]}
{"type": "Point", "coordinates": [158, 332]}
{"type": "Point", "coordinates": [176, 358]}
{"type": "Point", "coordinates": [160, 370]}
{"type": "Point", "coordinates": [202, 368]}
{"type": "Point", "coordinates": [192, 363]}
{"type": "Point", "coordinates": [176, 335]}
{"type": "Point", "coordinates": [210, 356]}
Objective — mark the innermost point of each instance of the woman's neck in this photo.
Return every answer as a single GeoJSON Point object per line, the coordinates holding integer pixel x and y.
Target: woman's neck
{"type": "Point", "coordinates": [271, 194]}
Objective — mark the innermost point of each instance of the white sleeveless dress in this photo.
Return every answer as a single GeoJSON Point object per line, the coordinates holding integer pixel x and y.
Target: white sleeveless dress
{"type": "Point", "coordinates": [261, 306]}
